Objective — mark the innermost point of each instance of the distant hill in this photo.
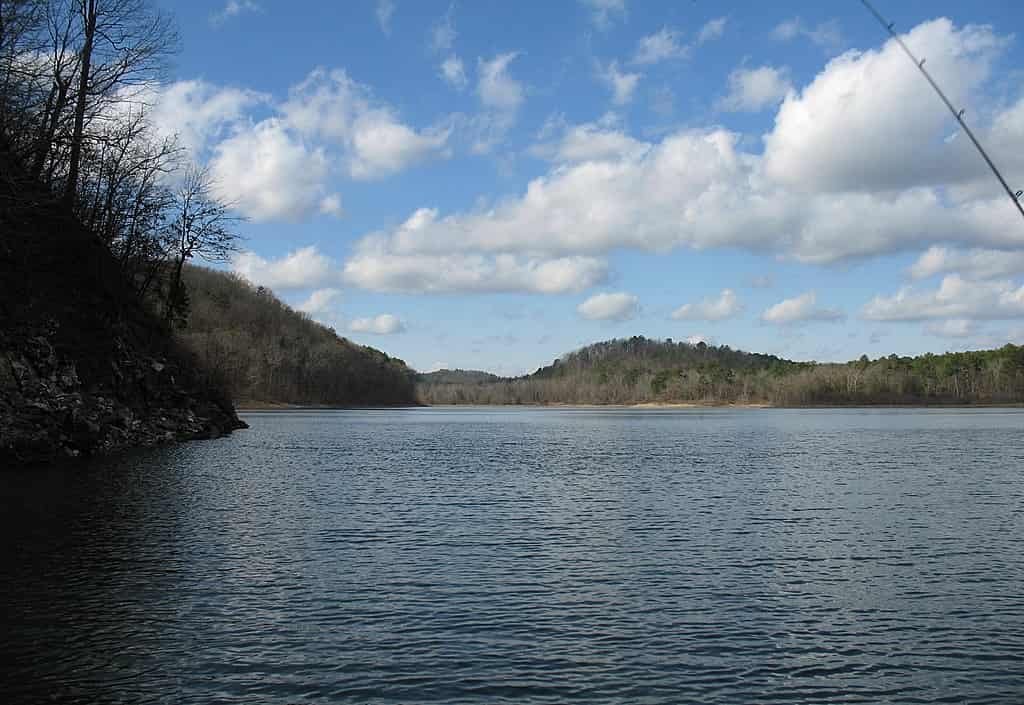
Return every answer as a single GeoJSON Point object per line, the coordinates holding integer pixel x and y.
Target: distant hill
{"type": "Point", "coordinates": [457, 377]}
{"type": "Point", "coordinates": [265, 351]}
{"type": "Point", "coordinates": [641, 370]}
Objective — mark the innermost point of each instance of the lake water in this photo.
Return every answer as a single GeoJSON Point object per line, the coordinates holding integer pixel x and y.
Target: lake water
{"type": "Point", "coordinates": [528, 556]}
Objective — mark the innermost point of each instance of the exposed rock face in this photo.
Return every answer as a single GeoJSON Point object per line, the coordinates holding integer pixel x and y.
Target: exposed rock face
{"type": "Point", "coordinates": [47, 412]}
{"type": "Point", "coordinates": [84, 368]}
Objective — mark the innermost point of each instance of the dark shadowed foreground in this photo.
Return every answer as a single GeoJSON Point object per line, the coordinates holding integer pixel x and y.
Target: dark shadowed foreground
{"type": "Point", "coordinates": [85, 367]}
{"type": "Point", "coordinates": [528, 556]}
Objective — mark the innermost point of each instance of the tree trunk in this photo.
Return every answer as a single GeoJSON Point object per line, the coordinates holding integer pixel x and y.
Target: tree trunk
{"type": "Point", "coordinates": [81, 100]}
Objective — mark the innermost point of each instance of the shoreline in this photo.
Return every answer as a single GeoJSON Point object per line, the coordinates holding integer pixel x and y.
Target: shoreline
{"type": "Point", "coordinates": [287, 406]}
{"type": "Point", "coordinates": [257, 406]}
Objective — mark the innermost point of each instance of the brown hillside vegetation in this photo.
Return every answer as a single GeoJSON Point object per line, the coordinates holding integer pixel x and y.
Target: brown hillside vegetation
{"type": "Point", "coordinates": [639, 370]}
{"type": "Point", "coordinates": [265, 351]}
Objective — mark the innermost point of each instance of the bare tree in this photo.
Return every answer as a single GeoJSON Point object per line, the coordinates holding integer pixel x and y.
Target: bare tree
{"type": "Point", "coordinates": [124, 44]}
{"type": "Point", "coordinates": [203, 226]}
{"type": "Point", "coordinates": [21, 36]}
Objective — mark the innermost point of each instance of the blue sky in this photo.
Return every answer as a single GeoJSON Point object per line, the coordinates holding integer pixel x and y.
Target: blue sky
{"type": "Point", "coordinates": [489, 185]}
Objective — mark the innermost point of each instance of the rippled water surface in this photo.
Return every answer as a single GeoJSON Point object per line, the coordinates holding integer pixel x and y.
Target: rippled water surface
{"type": "Point", "coordinates": [528, 556]}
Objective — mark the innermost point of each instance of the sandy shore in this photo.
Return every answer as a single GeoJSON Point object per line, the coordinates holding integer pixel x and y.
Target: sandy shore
{"type": "Point", "coordinates": [699, 405]}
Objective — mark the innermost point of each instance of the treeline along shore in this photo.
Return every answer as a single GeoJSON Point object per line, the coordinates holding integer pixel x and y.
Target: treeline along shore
{"type": "Point", "coordinates": [640, 370]}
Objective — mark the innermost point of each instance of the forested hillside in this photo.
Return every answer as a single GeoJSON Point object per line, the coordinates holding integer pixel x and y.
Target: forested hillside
{"type": "Point", "coordinates": [265, 351]}
{"type": "Point", "coordinates": [457, 377]}
{"type": "Point", "coordinates": [641, 370]}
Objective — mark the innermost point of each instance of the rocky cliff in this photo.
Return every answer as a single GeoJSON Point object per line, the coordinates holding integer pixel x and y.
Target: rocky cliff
{"type": "Point", "coordinates": [84, 367]}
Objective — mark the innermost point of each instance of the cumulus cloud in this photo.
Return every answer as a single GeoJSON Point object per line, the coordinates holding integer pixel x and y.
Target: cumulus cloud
{"type": "Point", "coordinates": [663, 45]}
{"type": "Point", "coordinates": [622, 83]}
{"type": "Point", "coordinates": [955, 298]}
{"type": "Point", "coordinates": [619, 306]}
{"type": "Point", "coordinates": [755, 89]}
{"type": "Point", "coordinates": [320, 301]}
{"type": "Point", "coordinates": [234, 8]}
{"type": "Point", "coordinates": [384, 12]}
{"type": "Point", "coordinates": [453, 72]}
{"type": "Point", "coordinates": [877, 120]}
{"type": "Point", "coordinates": [842, 199]}
{"type": "Point", "coordinates": [302, 269]}
{"type": "Point", "coordinates": [331, 106]}
{"type": "Point", "coordinates": [800, 309]}
{"type": "Point", "coordinates": [198, 112]}
{"type": "Point", "coordinates": [725, 305]}
{"type": "Point", "coordinates": [826, 35]}
{"type": "Point", "coordinates": [698, 189]}
{"type": "Point", "coordinates": [603, 13]}
{"type": "Point", "coordinates": [384, 324]}
{"type": "Point", "coordinates": [381, 270]}
{"type": "Point", "coordinates": [713, 29]}
{"type": "Point", "coordinates": [268, 174]}
{"type": "Point", "coordinates": [279, 167]}
{"type": "Point", "coordinates": [970, 264]}
{"type": "Point", "coordinates": [589, 142]}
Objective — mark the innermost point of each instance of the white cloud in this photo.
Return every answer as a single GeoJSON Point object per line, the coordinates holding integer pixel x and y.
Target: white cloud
{"type": "Point", "coordinates": [604, 12]}
{"type": "Point", "coordinates": [696, 189]}
{"type": "Point", "coordinates": [622, 84]}
{"type": "Point", "coordinates": [234, 8]}
{"type": "Point", "coordinates": [726, 305]}
{"type": "Point", "coordinates": [279, 167]}
{"type": "Point", "coordinates": [589, 142]}
{"type": "Point", "coordinates": [663, 45]}
{"type": "Point", "coordinates": [384, 324]}
{"type": "Point", "coordinates": [955, 328]}
{"type": "Point", "coordinates": [198, 112]}
{"type": "Point", "coordinates": [496, 87]}
{"type": "Point", "coordinates": [869, 122]}
{"type": "Point", "coordinates": [800, 309]}
{"type": "Point", "coordinates": [384, 146]}
{"type": "Point", "coordinates": [267, 174]}
{"type": "Point", "coordinates": [787, 30]}
{"type": "Point", "coordinates": [331, 205]}
{"type": "Point", "coordinates": [955, 298]}
{"type": "Point", "coordinates": [970, 264]}
{"type": "Point", "coordinates": [385, 10]}
{"type": "Point", "coordinates": [302, 269]}
{"type": "Point", "coordinates": [443, 34]}
{"type": "Point", "coordinates": [713, 29]}
{"type": "Point", "coordinates": [699, 338]}
{"type": "Point", "coordinates": [826, 35]}
{"type": "Point", "coordinates": [755, 89]}
{"type": "Point", "coordinates": [501, 96]}
{"type": "Point", "coordinates": [377, 269]}
{"type": "Point", "coordinates": [320, 301]}
{"type": "Point", "coordinates": [619, 306]}
{"type": "Point", "coordinates": [453, 72]}
{"type": "Point", "coordinates": [329, 105]}
{"type": "Point", "coordinates": [701, 189]}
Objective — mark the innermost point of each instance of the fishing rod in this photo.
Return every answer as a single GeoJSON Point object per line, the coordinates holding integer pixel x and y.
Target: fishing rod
{"type": "Point", "coordinates": [958, 114]}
